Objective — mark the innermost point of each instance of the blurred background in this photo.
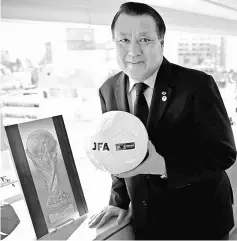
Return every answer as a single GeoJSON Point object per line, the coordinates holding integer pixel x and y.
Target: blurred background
{"type": "Point", "coordinates": [55, 55]}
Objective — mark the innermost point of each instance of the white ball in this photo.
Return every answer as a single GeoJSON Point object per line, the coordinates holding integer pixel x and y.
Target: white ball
{"type": "Point", "coordinates": [117, 142]}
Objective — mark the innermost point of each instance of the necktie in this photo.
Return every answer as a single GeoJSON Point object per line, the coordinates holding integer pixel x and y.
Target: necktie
{"type": "Point", "coordinates": [141, 109]}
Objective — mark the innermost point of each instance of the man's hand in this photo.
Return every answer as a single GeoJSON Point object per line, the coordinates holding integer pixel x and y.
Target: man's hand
{"type": "Point", "coordinates": [98, 220]}
{"type": "Point", "coordinates": [154, 164]}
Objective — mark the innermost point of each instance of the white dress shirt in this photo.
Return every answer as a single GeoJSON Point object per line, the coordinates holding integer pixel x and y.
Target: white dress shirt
{"type": "Point", "coordinates": [131, 91]}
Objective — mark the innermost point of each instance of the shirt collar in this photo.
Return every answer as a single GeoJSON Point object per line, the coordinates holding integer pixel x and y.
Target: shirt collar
{"type": "Point", "coordinates": [150, 81]}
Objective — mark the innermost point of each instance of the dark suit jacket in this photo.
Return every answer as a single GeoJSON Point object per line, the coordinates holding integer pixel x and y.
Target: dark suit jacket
{"type": "Point", "coordinates": [191, 130]}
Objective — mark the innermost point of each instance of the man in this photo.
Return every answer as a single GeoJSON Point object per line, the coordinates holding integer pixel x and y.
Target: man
{"type": "Point", "coordinates": [190, 138]}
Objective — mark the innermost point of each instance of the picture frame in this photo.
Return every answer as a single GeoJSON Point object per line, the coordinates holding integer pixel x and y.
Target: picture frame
{"type": "Point", "coordinates": [47, 173]}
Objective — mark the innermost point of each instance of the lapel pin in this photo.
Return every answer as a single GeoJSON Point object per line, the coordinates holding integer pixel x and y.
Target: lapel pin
{"type": "Point", "coordinates": [163, 93]}
{"type": "Point", "coordinates": [164, 98]}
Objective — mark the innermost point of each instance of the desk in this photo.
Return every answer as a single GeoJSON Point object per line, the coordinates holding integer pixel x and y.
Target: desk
{"type": "Point", "coordinates": [77, 230]}
{"type": "Point", "coordinates": [110, 231]}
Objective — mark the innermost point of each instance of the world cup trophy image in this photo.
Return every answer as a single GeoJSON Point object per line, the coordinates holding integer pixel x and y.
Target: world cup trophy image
{"type": "Point", "coordinates": [41, 148]}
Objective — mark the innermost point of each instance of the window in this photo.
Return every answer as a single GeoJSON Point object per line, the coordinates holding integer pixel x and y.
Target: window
{"type": "Point", "coordinates": [56, 68]}
{"type": "Point", "coordinates": [49, 69]}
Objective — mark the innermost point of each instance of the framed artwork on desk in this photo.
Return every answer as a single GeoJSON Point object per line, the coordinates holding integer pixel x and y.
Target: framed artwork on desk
{"type": "Point", "coordinates": [47, 173]}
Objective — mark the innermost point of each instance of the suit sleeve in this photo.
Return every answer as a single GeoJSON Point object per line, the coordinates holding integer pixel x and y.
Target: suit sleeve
{"type": "Point", "coordinates": [216, 150]}
{"type": "Point", "coordinates": [214, 127]}
{"type": "Point", "coordinates": [119, 196]}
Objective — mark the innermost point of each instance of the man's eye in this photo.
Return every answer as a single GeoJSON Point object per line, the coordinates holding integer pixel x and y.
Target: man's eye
{"type": "Point", "coordinates": [145, 40]}
{"type": "Point", "coordinates": [125, 40]}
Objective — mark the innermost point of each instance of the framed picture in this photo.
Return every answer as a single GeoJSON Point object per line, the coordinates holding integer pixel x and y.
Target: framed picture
{"type": "Point", "coordinates": [47, 172]}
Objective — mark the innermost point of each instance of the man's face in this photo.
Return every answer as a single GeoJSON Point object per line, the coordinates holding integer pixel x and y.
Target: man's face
{"type": "Point", "coordinates": [138, 48]}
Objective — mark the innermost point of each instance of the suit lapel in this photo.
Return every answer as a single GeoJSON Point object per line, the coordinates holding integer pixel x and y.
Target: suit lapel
{"type": "Point", "coordinates": [121, 93]}
{"type": "Point", "coordinates": [161, 95]}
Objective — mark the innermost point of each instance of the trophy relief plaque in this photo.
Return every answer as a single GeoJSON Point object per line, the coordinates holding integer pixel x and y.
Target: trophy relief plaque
{"type": "Point", "coordinates": [47, 173]}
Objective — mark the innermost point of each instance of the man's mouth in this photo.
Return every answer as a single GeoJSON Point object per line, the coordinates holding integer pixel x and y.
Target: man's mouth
{"type": "Point", "coordinates": [139, 62]}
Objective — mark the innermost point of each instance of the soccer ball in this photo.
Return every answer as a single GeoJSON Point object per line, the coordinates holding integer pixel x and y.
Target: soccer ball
{"type": "Point", "coordinates": [117, 142]}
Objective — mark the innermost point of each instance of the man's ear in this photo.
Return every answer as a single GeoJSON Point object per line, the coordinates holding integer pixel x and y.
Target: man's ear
{"type": "Point", "coordinates": [162, 43]}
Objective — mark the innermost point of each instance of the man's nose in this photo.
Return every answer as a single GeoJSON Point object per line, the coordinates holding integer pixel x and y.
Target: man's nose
{"type": "Point", "coordinates": [134, 49]}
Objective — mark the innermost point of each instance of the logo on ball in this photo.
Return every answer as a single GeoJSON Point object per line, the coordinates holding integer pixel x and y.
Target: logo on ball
{"type": "Point", "coordinates": [100, 145]}
{"type": "Point", "coordinates": [125, 146]}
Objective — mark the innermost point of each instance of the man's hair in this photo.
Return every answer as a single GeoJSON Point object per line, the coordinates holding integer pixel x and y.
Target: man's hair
{"type": "Point", "coordinates": [138, 9]}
